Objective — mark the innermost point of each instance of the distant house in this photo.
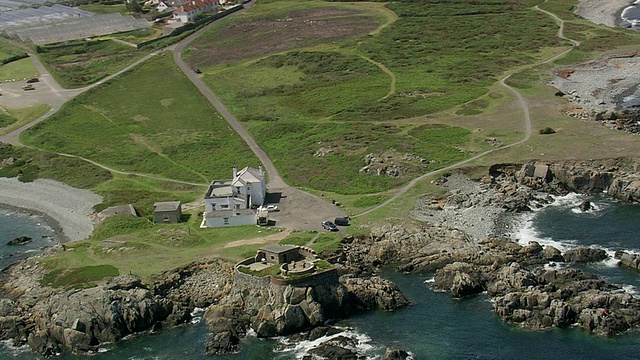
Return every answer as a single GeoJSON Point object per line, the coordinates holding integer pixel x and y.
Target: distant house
{"type": "Point", "coordinates": [167, 212]}
{"type": "Point", "coordinates": [162, 6]}
{"type": "Point", "coordinates": [230, 202]}
{"type": "Point", "coordinates": [189, 11]}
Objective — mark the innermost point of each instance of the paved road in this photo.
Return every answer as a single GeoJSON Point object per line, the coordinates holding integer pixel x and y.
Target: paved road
{"type": "Point", "coordinates": [275, 180]}
{"type": "Point", "coordinates": [526, 115]}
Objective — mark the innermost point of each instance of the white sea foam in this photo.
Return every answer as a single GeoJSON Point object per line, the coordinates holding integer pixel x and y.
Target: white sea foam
{"type": "Point", "coordinates": [630, 289]}
{"type": "Point", "coordinates": [571, 199]}
{"type": "Point", "coordinates": [14, 351]}
{"type": "Point", "coordinates": [363, 344]}
{"type": "Point", "coordinates": [196, 315]}
{"type": "Point", "coordinates": [527, 233]}
{"type": "Point", "coordinates": [430, 280]}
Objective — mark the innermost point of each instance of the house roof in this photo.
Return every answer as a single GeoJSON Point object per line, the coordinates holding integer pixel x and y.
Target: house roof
{"type": "Point", "coordinates": [219, 188]}
{"type": "Point", "coordinates": [166, 206]}
{"type": "Point", "coordinates": [278, 249]}
{"type": "Point", "coordinates": [249, 175]}
{"type": "Point", "coordinates": [194, 5]}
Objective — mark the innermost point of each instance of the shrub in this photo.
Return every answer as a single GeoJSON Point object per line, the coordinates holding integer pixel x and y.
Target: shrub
{"type": "Point", "coordinates": [547, 130]}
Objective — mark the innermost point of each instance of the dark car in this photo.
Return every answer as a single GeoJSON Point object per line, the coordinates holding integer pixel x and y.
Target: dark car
{"type": "Point", "coordinates": [198, 71]}
{"type": "Point", "coordinates": [328, 225]}
{"type": "Point", "coordinates": [342, 221]}
{"type": "Point", "coordinates": [33, 80]}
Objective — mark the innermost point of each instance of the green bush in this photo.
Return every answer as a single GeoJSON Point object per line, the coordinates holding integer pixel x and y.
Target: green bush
{"type": "Point", "coordinates": [547, 130]}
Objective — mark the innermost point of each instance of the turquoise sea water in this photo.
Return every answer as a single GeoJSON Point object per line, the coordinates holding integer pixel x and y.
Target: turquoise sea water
{"type": "Point", "coordinates": [436, 326]}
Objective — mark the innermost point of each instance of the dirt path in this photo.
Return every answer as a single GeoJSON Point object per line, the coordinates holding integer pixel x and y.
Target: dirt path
{"type": "Point", "coordinates": [259, 240]}
{"type": "Point", "coordinates": [392, 85]}
{"type": "Point", "coordinates": [526, 116]}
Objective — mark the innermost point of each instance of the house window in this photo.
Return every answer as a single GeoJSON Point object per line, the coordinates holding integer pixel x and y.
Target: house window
{"type": "Point", "coordinates": [165, 218]}
{"type": "Point", "coordinates": [225, 206]}
{"type": "Point", "coordinates": [226, 221]}
{"type": "Point", "coordinates": [238, 188]}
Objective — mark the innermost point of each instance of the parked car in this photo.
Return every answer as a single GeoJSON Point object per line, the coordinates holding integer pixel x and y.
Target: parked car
{"type": "Point", "coordinates": [342, 221]}
{"type": "Point", "coordinates": [328, 225]}
{"type": "Point", "coordinates": [28, 87]}
{"type": "Point", "coordinates": [269, 208]}
{"type": "Point", "coordinates": [33, 80]}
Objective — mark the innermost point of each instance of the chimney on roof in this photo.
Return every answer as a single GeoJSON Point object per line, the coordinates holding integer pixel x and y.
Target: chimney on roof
{"type": "Point", "coordinates": [235, 172]}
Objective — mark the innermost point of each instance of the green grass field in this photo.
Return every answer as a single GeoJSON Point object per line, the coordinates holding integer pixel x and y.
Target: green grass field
{"type": "Point", "coordinates": [150, 120]}
{"type": "Point", "coordinates": [11, 119]}
{"type": "Point", "coordinates": [137, 246]}
{"type": "Point", "coordinates": [85, 62]}
{"type": "Point", "coordinates": [355, 96]}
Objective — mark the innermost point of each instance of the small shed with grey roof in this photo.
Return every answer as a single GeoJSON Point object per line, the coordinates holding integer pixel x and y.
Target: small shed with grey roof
{"type": "Point", "coordinates": [278, 254]}
{"type": "Point", "coordinates": [167, 212]}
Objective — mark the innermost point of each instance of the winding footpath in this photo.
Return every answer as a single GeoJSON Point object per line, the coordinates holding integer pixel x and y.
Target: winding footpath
{"type": "Point", "coordinates": [526, 115]}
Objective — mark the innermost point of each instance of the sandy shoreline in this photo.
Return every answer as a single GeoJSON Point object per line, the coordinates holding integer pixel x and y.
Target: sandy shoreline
{"type": "Point", "coordinates": [68, 207]}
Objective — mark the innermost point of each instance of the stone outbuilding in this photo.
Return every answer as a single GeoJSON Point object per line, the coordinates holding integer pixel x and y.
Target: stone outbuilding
{"type": "Point", "coordinates": [167, 212]}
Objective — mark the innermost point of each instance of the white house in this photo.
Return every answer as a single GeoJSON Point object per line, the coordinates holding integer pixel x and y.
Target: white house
{"type": "Point", "coordinates": [191, 9]}
{"type": "Point", "coordinates": [230, 202]}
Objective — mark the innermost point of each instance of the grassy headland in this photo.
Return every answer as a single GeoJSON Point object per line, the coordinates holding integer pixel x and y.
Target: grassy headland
{"type": "Point", "coordinates": [348, 98]}
{"type": "Point", "coordinates": [149, 120]}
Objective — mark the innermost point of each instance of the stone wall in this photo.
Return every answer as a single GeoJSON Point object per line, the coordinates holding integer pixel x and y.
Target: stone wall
{"type": "Point", "coordinates": [323, 278]}
{"type": "Point", "coordinates": [251, 280]}
{"type": "Point", "coordinates": [308, 253]}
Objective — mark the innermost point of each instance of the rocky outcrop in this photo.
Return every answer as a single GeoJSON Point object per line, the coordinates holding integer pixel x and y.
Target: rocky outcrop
{"type": "Point", "coordinates": [52, 319]}
{"type": "Point", "coordinates": [21, 240]}
{"type": "Point", "coordinates": [584, 254]}
{"type": "Point", "coordinates": [373, 293]}
{"type": "Point", "coordinates": [395, 354]}
{"type": "Point", "coordinates": [338, 348]}
{"type": "Point", "coordinates": [631, 261]}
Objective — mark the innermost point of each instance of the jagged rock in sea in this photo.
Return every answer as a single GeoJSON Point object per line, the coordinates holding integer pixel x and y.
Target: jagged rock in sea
{"type": "Point", "coordinates": [585, 254]}
{"type": "Point", "coordinates": [395, 354]}
{"type": "Point", "coordinates": [339, 348]}
{"type": "Point", "coordinates": [631, 261]}
{"type": "Point", "coordinates": [373, 293]}
{"type": "Point", "coordinates": [585, 206]}
{"type": "Point", "coordinates": [20, 240]}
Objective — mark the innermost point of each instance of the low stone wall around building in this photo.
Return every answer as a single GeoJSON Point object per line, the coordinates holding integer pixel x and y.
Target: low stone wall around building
{"type": "Point", "coordinates": [251, 280]}
{"type": "Point", "coordinates": [326, 277]}
{"type": "Point", "coordinates": [307, 252]}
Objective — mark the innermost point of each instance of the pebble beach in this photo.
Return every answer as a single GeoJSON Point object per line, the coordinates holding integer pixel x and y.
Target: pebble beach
{"type": "Point", "coordinates": [69, 207]}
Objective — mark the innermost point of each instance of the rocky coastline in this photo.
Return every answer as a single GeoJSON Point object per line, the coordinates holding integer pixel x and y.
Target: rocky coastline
{"type": "Point", "coordinates": [52, 321]}
{"type": "Point", "coordinates": [463, 239]}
